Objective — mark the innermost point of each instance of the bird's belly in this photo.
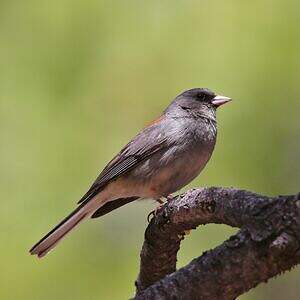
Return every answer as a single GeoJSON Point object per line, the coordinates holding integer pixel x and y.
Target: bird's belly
{"type": "Point", "coordinates": [171, 176]}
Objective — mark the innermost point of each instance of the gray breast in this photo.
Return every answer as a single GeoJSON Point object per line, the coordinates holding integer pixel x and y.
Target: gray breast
{"type": "Point", "coordinates": [174, 167]}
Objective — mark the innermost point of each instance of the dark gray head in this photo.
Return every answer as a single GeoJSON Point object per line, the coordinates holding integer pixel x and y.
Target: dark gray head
{"type": "Point", "coordinates": [197, 102]}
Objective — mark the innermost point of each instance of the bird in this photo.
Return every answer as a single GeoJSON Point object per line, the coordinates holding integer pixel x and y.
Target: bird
{"type": "Point", "coordinates": [164, 157]}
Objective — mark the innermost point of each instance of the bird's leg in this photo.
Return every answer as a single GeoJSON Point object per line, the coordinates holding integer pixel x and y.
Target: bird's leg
{"type": "Point", "coordinates": [160, 201]}
{"type": "Point", "coordinates": [170, 197]}
{"type": "Point", "coordinates": [156, 210]}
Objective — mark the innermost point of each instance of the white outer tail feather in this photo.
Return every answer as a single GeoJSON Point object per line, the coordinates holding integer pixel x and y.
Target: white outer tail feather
{"type": "Point", "coordinates": [49, 241]}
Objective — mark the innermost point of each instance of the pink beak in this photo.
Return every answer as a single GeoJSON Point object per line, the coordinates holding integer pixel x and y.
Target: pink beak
{"type": "Point", "coordinates": [220, 100]}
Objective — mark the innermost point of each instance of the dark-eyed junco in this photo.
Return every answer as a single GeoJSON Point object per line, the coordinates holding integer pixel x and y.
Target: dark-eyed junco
{"type": "Point", "coordinates": [161, 159]}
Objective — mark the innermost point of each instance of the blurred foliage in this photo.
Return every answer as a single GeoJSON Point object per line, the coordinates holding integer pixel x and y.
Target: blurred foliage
{"type": "Point", "coordinates": [79, 78]}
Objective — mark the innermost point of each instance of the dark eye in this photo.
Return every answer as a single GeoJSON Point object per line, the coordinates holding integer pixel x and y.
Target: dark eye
{"type": "Point", "coordinates": [201, 97]}
{"type": "Point", "coordinates": [184, 107]}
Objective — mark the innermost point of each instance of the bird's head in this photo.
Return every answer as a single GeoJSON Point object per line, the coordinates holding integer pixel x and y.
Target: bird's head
{"type": "Point", "coordinates": [199, 101]}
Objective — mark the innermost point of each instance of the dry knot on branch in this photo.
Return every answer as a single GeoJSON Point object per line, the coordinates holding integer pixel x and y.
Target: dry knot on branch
{"type": "Point", "coordinates": [267, 244]}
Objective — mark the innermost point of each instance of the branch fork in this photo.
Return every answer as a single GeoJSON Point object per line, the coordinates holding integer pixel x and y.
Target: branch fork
{"type": "Point", "coordinates": [267, 244]}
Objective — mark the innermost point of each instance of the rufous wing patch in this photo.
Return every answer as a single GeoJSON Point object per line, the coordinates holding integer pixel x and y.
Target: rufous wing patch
{"type": "Point", "coordinates": [155, 121]}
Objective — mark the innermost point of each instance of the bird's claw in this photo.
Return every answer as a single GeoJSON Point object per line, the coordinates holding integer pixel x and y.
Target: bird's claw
{"type": "Point", "coordinates": [155, 211]}
{"type": "Point", "coordinates": [152, 213]}
{"type": "Point", "coordinates": [170, 197]}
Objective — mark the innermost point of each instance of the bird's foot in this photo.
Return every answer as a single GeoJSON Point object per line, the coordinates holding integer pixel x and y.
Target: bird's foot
{"type": "Point", "coordinates": [160, 201]}
{"type": "Point", "coordinates": [170, 197]}
{"type": "Point", "coordinates": [156, 210]}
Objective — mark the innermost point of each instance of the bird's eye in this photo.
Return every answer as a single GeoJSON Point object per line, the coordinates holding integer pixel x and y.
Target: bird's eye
{"type": "Point", "coordinates": [184, 107]}
{"type": "Point", "coordinates": [201, 97]}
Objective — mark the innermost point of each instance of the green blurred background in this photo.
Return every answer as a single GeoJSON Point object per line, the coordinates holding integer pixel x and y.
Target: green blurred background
{"type": "Point", "coordinates": [79, 78]}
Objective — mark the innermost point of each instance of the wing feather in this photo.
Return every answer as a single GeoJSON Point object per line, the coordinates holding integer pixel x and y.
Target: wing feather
{"type": "Point", "coordinates": [148, 142]}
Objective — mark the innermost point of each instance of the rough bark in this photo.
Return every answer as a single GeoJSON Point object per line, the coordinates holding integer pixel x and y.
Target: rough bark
{"type": "Point", "coordinates": [267, 244]}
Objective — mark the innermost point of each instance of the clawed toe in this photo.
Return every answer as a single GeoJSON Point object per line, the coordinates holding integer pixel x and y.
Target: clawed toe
{"type": "Point", "coordinates": [152, 213]}
{"type": "Point", "coordinates": [170, 197]}
{"type": "Point", "coordinates": [160, 201]}
{"type": "Point", "coordinates": [155, 211]}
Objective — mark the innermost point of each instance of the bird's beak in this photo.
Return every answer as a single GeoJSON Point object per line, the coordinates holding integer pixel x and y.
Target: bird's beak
{"type": "Point", "coordinates": [220, 100]}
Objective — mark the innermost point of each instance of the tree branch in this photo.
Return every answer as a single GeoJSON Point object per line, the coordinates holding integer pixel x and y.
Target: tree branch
{"type": "Point", "coordinates": [267, 244]}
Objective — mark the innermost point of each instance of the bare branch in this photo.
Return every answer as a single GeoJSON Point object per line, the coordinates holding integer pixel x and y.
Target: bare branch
{"type": "Point", "coordinates": [267, 244]}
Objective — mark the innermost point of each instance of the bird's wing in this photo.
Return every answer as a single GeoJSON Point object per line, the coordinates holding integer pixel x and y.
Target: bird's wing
{"type": "Point", "coordinates": [145, 144]}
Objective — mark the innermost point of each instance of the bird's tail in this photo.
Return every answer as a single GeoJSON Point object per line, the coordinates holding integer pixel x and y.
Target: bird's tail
{"type": "Point", "coordinates": [51, 239]}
